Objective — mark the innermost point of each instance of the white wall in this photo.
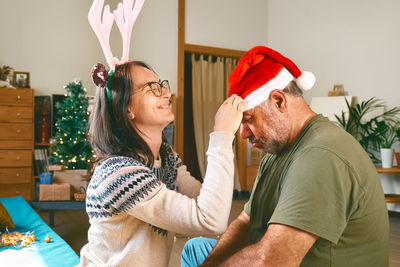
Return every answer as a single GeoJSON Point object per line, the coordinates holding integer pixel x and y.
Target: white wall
{"type": "Point", "coordinates": [351, 42]}
{"type": "Point", "coordinates": [53, 41]}
{"type": "Point", "coordinates": [355, 43]}
{"type": "Point", "coordinates": [233, 24]}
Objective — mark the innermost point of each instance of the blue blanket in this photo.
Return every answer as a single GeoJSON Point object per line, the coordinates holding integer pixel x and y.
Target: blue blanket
{"type": "Point", "coordinates": [56, 253]}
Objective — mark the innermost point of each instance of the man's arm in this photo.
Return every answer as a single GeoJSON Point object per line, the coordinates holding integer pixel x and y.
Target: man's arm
{"type": "Point", "coordinates": [280, 246]}
{"type": "Point", "coordinates": [235, 238]}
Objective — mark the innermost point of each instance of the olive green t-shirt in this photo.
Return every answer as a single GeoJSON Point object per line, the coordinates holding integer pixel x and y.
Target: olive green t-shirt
{"type": "Point", "coordinates": [324, 184]}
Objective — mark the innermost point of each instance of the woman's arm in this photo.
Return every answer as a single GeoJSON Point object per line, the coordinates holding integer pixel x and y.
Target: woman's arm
{"type": "Point", "coordinates": [206, 214]}
{"type": "Point", "coordinates": [187, 184]}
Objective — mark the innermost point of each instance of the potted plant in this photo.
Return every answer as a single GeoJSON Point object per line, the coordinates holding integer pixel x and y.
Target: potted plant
{"type": "Point", "coordinates": [5, 72]}
{"type": "Point", "coordinates": [372, 133]}
{"type": "Point", "coordinates": [387, 137]}
{"type": "Point", "coordinates": [397, 154]}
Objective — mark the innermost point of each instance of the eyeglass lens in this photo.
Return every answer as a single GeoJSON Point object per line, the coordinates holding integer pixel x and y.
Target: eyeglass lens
{"type": "Point", "coordinates": [157, 87]}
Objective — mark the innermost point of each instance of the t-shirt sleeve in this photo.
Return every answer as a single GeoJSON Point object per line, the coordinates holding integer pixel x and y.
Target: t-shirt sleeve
{"type": "Point", "coordinates": [316, 195]}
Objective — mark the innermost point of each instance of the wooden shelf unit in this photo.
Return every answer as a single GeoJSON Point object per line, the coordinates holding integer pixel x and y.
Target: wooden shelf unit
{"type": "Point", "coordinates": [390, 198]}
{"type": "Point", "coordinates": [394, 170]}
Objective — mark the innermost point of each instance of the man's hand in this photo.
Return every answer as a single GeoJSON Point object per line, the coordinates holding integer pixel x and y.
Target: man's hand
{"type": "Point", "coordinates": [229, 114]}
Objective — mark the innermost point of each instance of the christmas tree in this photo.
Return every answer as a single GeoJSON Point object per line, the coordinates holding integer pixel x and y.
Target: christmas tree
{"type": "Point", "coordinates": [72, 148]}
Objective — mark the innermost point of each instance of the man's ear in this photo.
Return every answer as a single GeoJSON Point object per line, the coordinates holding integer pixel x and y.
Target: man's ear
{"type": "Point", "coordinates": [278, 99]}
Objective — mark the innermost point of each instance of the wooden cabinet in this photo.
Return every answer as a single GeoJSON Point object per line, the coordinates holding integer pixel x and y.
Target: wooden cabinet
{"type": "Point", "coordinates": [16, 142]}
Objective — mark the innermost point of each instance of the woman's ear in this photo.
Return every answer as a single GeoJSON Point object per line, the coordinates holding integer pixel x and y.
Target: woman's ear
{"type": "Point", "coordinates": [131, 115]}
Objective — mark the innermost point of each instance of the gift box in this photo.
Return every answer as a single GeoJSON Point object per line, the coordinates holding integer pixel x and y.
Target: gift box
{"type": "Point", "coordinates": [55, 191]}
{"type": "Point", "coordinates": [76, 178]}
{"type": "Point", "coordinates": [56, 167]}
{"type": "Point", "coordinates": [45, 178]}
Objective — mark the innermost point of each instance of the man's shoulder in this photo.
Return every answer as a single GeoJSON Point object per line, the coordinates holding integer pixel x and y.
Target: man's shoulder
{"type": "Point", "coordinates": [329, 136]}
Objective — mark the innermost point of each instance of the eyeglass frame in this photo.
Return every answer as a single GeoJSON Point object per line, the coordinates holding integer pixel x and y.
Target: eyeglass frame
{"type": "Point", "coordinates": [161, 85]}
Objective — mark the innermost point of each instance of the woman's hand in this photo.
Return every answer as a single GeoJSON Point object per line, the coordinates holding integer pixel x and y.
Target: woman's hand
{"type": "Point", "coordinates": [229, 114]}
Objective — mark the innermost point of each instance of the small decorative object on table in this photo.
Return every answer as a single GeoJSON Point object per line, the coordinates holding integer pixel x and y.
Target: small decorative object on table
{"type": "Point", "coordinates": [45, 178]}
{"type": "Point", "coordinates": [80, 196]}
{"type": "Point", "coordinates": [338, 90]}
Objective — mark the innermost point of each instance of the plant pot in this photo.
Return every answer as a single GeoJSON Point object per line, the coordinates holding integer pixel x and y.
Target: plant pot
{"type": "Point", "coordinates": [387, 157]}
{"type": "Point", "coordinates": [397, 154]}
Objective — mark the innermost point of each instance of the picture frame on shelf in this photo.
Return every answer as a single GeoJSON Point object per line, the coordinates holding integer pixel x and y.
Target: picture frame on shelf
{"type": "Point", "coordinates": [21, 79]}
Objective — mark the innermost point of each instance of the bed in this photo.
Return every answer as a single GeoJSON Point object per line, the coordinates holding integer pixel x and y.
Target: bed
{"type": "Point", "coordinates": [55, 253]}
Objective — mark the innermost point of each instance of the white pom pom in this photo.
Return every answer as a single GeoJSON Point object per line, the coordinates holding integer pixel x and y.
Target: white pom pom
{"type": "Point", "coordinates": [306, 80]}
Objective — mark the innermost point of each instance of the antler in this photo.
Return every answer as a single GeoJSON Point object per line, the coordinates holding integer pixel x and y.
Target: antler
{"type": "Point", "coordinates": [125, 17]}
{"type": "Point", "coordinates": [102, 30]}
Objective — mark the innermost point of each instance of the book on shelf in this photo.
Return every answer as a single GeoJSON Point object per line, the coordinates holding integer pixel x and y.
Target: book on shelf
{"type": "Point", "coordinates": [41, 161]}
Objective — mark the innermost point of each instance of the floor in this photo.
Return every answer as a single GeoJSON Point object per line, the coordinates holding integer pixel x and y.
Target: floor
{"type": "Point", "coordinates": [72, 226]}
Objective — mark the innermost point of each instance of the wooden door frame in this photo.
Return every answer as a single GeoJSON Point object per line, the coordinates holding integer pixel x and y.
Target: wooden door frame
{"type": "Point", "coordinates": [212, 51]}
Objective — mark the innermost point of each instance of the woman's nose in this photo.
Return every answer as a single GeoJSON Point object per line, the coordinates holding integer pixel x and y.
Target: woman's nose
{"type": "Point", "coordinates": [166, 92]}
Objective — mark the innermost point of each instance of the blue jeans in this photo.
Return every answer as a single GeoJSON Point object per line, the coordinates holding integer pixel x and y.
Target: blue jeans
{"type": "Point", "coordinates": [196, 251]}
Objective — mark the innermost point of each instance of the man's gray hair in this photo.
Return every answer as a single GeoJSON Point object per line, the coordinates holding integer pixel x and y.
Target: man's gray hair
{"type": "Point", "coordinates": [293, 90]}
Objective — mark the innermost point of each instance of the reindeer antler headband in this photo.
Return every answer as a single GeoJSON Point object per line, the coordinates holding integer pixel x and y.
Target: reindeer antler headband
{"type": "Point", "coordinates": [125, 16]}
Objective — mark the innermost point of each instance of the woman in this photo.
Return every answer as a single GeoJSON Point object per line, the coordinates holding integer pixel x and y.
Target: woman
{"type": "Point", "coordinates": [140, 194]}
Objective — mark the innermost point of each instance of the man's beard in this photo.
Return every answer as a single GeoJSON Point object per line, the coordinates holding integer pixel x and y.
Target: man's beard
{"type": "Point", "coordinates": [273, 146]}
{"type": "Point", "coordinates": [276, 141]}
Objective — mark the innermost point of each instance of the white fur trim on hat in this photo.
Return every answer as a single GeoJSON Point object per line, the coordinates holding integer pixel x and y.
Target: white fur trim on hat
{"type": "Point", "coordinates": [306, 80]}
{"type": "Point", "coordinates": [261, 94]}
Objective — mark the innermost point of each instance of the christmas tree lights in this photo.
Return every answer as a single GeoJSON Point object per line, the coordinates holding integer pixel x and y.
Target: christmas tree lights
{"type": "Point", "coordinates": [71, 147]}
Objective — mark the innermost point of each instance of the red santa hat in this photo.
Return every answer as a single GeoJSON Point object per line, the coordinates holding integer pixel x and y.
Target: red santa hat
{"type": "Point", "coordinates": [262, 70]}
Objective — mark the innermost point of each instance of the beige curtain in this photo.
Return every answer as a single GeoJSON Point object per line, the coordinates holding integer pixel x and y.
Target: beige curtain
{"type": "Point", "coordinates": [209, 90]}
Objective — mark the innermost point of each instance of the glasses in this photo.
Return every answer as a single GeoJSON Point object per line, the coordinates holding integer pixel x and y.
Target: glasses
{"type": "Point", "coordinates": [156, 87]}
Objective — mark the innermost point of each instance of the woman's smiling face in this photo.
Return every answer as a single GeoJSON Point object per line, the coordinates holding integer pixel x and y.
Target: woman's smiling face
{"type": "Point", "coordinates": [149, 111]}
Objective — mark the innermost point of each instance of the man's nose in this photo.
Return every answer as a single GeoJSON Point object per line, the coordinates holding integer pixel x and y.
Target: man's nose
{"type": "Point", "coordinates": [245, 132]}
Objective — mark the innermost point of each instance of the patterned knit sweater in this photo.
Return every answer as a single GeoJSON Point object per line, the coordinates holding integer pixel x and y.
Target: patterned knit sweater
{"type": "Point", "coordinates": [134, 211]}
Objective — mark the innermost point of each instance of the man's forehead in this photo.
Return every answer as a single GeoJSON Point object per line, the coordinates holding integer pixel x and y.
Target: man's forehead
{"type": "Point", "coordinates": [249, 112]}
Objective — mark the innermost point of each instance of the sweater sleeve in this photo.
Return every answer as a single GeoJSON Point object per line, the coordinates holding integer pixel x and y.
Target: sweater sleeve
{"type": "Point", "coordinates": [187, 184]}
{"type": "Point", "coordinates": [206, 214]}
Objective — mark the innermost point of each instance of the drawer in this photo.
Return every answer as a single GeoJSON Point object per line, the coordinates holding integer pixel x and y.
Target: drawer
{"type": "Point", "coordinates": [15, 175]}
{"type": "Point", "coordinates": [16, 131]}
{"type": "Point", "coordinates": [16, 97]}
{"type": "Point", "coordinates": [16, 158]}
{"type": "Point", "coordinates": [13, 190]}
{"type": "Point", "coordinates": [16, 114]}
{"type": "Point", "coordinates": [16, 144]}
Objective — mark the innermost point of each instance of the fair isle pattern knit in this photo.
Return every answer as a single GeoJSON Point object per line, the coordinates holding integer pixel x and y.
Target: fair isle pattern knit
{"type": "Point", "coordinates": [110, 193]}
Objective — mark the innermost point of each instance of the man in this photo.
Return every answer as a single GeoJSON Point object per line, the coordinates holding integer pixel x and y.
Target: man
{"type": "Point", "coordinates": [317, 199]}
